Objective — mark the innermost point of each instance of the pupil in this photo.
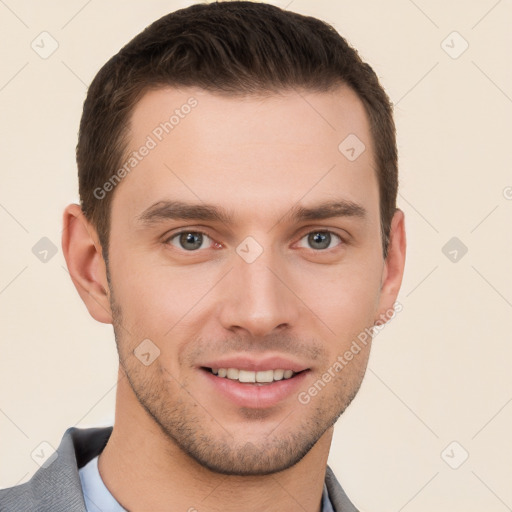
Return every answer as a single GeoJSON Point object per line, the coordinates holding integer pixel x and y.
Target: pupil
{"type": "Point", "coordinates": [191, 240]}
{"type": "Point", "coordinates": [321, 240]}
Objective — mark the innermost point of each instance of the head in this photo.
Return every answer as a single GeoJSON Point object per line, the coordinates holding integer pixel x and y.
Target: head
{"type": "Point", "coordinates": [238, 179]}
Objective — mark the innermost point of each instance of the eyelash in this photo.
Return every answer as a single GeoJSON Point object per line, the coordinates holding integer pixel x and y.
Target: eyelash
{"type": "Point", "coordinates": [198, 231]}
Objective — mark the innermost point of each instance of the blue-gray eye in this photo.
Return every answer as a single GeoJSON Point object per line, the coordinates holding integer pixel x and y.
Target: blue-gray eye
{"type": "Point", "coordinates": [189, 240]}
{"type": "Point", "coordinates": [320, 240]}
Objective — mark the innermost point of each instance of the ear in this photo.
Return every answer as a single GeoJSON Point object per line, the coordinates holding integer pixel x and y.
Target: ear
{"type": "Point", "coordinates": [393, 270]}
{"type": "Point", "coordinates": [84, 258]}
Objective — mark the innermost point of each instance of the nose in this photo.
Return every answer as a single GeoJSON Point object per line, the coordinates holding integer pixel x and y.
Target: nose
{"type": "Point", "coordinates": [259, 296]}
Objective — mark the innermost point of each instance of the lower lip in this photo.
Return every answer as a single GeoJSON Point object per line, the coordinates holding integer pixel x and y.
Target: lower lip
{"type": "Point", "coordinates": [253, 395]}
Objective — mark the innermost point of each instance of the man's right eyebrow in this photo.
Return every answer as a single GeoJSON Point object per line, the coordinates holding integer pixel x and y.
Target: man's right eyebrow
{"type": "Point", "coordinates": [179, 210]}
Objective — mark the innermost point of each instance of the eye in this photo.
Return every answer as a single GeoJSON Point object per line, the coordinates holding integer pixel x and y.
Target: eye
{"type": "Point", "coordinates": [190, 240]}
{"type": "Point", "coordinates": [320, 240]}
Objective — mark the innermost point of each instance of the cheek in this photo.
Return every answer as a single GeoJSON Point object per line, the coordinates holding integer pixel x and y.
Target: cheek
{"type": "Point", "coordinates": [141, 293]}
{"type": "Point", "coordinates": [346, 299]}
{"type": "Point", "coordinates": [156, 298]}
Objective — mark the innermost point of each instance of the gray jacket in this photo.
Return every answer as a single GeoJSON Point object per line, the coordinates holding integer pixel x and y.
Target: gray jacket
{"type": "Point", "coordinates": [57, 487]}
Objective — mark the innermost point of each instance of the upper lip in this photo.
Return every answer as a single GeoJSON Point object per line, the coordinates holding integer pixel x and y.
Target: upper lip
{"type": "Point", "coordinates": [245, 362]}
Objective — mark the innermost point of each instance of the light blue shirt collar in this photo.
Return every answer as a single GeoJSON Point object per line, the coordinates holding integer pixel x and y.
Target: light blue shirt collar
{"type": "Point", "coordinates": [98, 498]}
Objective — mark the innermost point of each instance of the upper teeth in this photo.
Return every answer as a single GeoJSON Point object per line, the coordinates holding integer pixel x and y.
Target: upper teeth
{"type": "Point", "coordinates": [250, 376]}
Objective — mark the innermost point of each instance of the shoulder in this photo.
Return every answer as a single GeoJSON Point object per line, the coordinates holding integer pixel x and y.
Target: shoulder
{"type": "Point", "coordinates": [56, 485]}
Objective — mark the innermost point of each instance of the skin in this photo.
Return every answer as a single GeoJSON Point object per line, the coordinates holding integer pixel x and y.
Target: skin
{"type": "Point", "coordinates": [177, 443]}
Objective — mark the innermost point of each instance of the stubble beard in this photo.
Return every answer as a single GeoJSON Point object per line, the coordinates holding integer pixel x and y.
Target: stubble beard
{"type": "Point", "coordinates": [206, 439]}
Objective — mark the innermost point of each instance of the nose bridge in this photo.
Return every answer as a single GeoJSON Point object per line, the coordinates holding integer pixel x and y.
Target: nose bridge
{"type": "Point", "coordinates": [258, 299]}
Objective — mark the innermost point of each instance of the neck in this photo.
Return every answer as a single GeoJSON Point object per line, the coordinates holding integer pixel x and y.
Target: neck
{"type": "Point", "coordinates": [145, 470]}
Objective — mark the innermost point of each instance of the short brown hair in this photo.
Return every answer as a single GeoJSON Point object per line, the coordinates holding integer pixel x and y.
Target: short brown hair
{"type": "Point", "coordinates": [234, 48]}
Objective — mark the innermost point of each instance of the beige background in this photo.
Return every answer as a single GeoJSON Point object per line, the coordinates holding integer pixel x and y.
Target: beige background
{"type": "Point", "coordinates": [439, 372]}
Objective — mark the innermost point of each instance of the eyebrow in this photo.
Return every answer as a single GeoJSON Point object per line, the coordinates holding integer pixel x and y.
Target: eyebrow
{"type": "Point", "coordinates": [179, 210]}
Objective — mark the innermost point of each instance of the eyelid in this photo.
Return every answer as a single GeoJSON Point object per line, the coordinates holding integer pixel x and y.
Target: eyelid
{"type": "Point", "coordinates": [187, 229]}
{"type": "Point", "coordinates": [172, 234]}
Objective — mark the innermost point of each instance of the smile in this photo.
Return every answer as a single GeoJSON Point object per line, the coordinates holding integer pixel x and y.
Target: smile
{"type": "Point", "coordinates": [257, 389]}
{"type": "Point", "coordinates": [253, 377]}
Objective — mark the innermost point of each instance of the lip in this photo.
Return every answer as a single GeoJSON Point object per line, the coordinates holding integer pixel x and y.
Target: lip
{"type": "Point", "coordinates": [251, 395]}
{"type": "Point", "coordinates": [242, 362]}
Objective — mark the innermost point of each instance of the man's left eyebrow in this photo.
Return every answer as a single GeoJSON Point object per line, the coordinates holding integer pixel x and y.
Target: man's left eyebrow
{"type": "Point", "coordinates": [327, 210]}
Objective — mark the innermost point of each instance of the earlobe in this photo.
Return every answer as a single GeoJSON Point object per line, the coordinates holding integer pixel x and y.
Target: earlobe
{"type": "Point", "coordinates": [393, 267]}
{"type": "Point", "coordinates": [85, 262]}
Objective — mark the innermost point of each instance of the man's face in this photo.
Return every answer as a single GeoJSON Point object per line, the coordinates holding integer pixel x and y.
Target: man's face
{"type": "Point", "coordinates": [261, 288]}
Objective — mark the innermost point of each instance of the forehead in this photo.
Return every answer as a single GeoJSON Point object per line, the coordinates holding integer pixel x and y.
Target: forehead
{"type": "Point", "coordinates": [245, 152]}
